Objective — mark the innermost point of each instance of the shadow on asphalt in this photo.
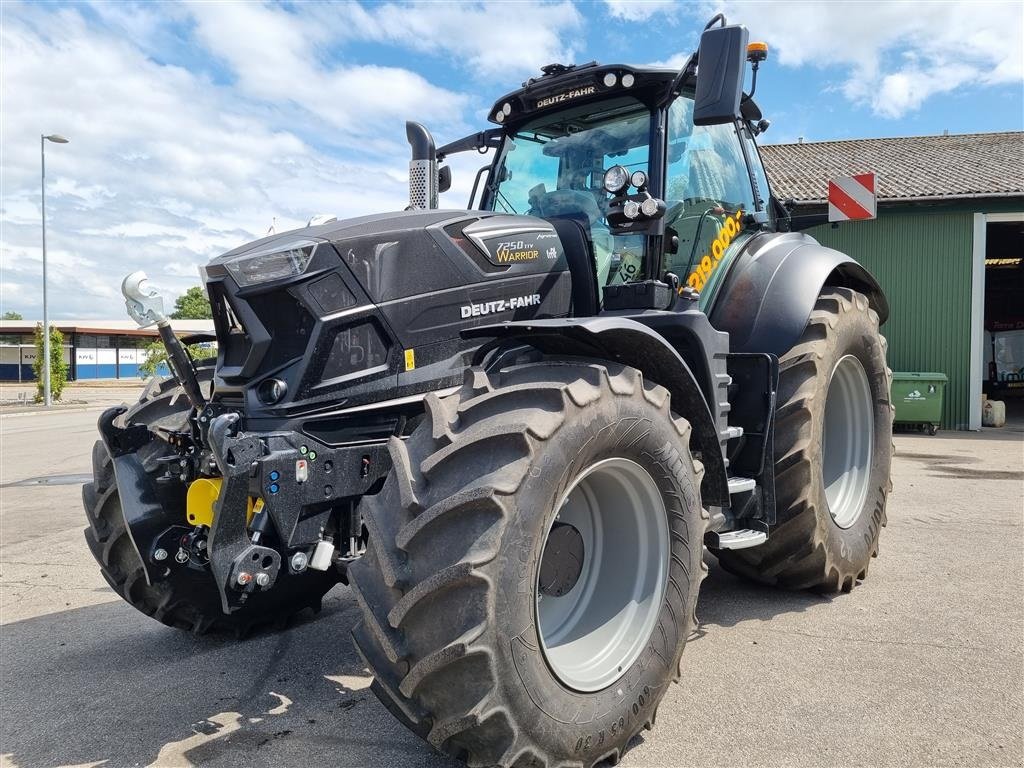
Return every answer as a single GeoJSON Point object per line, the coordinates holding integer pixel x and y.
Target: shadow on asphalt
{"type": "Point", "coordinates": [725, 600]}
{"type": "Point", "coordinates": [104, 683]}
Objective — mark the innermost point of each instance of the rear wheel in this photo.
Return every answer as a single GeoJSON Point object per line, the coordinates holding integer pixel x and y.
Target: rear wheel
{"type": "Point", "coordinates": [533, 565]}
{"type": "Point", "coordinates": [187, 599]}
{"type": "Point", "coordinates": [833, 448]}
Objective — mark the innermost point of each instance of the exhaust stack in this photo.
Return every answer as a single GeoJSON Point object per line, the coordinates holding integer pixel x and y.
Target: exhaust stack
{"type": "Point", "coordinates": [423, 179]}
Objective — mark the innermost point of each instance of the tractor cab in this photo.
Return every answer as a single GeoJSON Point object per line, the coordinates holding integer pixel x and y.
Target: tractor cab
{"type": "Point", "coordinates": [652, 169]}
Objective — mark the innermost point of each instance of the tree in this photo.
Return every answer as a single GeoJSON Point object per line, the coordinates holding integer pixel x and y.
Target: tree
{"type": "Point", "coordinates": [13, 316]}
{"type": "Point", "coordinates": [156, 355]}
{"type": "Point", "coordinates": [192, 305]}
{"type": "Point", "coordinates": [58, 368]}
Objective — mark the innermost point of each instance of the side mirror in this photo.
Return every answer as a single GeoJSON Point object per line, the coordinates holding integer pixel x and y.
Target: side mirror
{"type": "Point", "coordinates": [444, 178]}
{"type": "Point", "coordinates": [720, 59]}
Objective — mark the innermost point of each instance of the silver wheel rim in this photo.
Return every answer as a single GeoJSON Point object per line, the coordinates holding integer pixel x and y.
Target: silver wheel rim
{"type": "Point", "coordinates": [847, 440]}
{"type": "Point", "coordinates": [595, 631]}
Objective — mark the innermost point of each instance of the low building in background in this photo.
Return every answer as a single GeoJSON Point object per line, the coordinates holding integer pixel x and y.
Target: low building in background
{"type": "Point", "coordinates": [947, 248]}
{"type": "Point", "coordinates": [93, 349]}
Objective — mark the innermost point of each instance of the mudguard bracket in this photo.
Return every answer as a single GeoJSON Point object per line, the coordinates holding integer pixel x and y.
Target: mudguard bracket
{"type": "Point", "coordinates": [141, 506]}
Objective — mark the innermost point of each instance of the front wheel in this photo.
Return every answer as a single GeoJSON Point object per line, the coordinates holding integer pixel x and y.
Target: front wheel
{"type": "Point", "coordinates": [833, 448]}
{"type": "Point", "coordinates": [533, 565]}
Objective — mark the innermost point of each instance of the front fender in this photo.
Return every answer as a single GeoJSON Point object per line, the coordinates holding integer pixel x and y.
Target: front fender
{"type": "Point", "coordinates": [770, 291]}
{"type": "Point", "coordinates": [630, 343]}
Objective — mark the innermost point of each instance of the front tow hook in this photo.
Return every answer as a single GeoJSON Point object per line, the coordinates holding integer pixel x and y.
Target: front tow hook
{"type": "Point", "coordinates": [239, 566]}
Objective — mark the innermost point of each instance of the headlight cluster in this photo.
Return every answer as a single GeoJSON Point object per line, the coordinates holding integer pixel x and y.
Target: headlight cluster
{"type": "Point", "coordinates": [617, 181]}
{"type": "Point", "coordinates": [266, 265]}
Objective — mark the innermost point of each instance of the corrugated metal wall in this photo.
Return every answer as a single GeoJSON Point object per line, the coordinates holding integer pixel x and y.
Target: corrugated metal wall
{"type": "Point", "coordinates": [923, 262]}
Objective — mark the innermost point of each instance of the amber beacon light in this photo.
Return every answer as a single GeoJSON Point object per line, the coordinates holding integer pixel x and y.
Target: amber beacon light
{"type": "Point", "coordinates": [757, 52]}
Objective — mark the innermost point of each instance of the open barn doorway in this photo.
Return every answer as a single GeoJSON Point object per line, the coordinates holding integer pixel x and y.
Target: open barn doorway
{"type": "Point", "coordinates": [1004, 316]}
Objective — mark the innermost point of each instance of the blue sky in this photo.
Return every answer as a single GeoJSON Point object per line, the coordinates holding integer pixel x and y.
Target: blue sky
{"type": "Point", "coordinates": [194, 127]}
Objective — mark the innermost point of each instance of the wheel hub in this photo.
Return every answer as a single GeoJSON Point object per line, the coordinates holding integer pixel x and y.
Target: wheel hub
{"type": "Point", "coordinates": [603, 574]}
{"type": "Point", "coordinates": [847, 437]}
{"type": "Point", "coordinates": [562, 564]}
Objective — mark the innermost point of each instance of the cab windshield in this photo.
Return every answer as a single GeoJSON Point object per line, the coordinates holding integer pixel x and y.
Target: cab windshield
{"type": "Point", "coordinates": [554, 167]}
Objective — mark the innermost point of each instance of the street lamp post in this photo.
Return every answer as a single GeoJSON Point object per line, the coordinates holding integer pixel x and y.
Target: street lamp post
{"type": "Point", "coordinates": [56, 139]}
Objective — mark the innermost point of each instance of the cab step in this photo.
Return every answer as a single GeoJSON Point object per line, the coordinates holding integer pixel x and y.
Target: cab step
{"type": "Point", "coordinates": [741, 485]}
{"type": "Point", "coordinates": [740, 539]}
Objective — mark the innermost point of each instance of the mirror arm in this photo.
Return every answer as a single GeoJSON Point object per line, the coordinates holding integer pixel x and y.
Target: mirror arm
{"type": "Point", "coordinates": [714, 19]}
{"type": "Point", "coordinates": [484, 140]}
{"type": "Point", "coordinates": [688, 68]}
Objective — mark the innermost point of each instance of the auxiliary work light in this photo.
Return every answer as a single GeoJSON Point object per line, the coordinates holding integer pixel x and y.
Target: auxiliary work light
{"type": "Point", "coordinates": [616, 180]}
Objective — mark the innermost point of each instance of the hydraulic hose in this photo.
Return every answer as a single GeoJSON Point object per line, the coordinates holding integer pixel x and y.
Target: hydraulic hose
{"type": "Point", "coordinates": [181, 365]}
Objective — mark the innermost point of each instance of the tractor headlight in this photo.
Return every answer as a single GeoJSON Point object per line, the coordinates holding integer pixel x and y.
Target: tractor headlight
{"type": "Point", "coordinates": [649, 207]}
{"type": "Point", "coordinates": [638, 180]}
{"type": "Point", "coordinates": [616, 180]}
{"type": "Point", "coordinates": [266, 265]}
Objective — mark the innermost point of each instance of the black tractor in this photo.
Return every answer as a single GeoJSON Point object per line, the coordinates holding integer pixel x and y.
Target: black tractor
{"type": "Point", "coordinates": [512, 430]}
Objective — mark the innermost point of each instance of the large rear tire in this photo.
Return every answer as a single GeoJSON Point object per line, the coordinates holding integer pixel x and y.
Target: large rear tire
{"type": "Point", "coordinates": [187, 599]}
{"type": "Point", "coordinates": [533, 565]}
{"type": "Point", "coordinates": [833, 449]}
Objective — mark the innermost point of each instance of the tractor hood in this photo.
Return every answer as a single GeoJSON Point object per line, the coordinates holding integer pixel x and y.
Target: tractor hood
{"type": "Point", "coordinates": [400, 254]}
{"type": "Point", "coordinates": [341, 306]}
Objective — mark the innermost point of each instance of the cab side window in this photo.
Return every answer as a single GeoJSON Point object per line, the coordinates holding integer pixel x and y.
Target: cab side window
{"type": "Point", "coordinates": [706, 183]}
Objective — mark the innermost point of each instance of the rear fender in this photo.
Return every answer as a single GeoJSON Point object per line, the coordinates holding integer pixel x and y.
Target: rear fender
{"type": "Point", "coordinates": [767, 298]}
{"type": "Point", "coordinates": [629, 343]}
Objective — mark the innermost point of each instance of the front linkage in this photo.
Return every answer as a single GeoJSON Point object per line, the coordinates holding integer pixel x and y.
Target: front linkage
{"type": "Point", "coordinates": [289, 484]}
{"type": "Point", "coordinates": [256, 504]}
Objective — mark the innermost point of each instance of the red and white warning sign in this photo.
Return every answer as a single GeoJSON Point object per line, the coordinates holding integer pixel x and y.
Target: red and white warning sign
{"type": "Point", "coordinates": [852, 197]}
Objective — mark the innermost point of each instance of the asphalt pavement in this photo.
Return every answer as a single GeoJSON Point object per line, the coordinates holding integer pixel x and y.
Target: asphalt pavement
{"type": "Point", "coordinates": [921, 665]}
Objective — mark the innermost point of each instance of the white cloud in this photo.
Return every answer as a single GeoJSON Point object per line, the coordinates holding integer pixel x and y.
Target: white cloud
{"type": "Point", "coordinates": [898, 54]}
{"type": "Point", "coordinates": [496, 40]}
{"type": "Point", "coordinates": [638, 10]}
{"type": "Point", "coordinates": [675, 61]}
{"type": "Point", "coordinates": [167, 167]}
{"type": "Point", "coordinates": [280, 55]}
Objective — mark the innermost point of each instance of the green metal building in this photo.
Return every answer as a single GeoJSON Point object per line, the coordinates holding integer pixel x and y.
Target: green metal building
{"type": "Point", "coordinates": [947, 244]}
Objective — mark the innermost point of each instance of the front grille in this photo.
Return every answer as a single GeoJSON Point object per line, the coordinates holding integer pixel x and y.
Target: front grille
{"type": "Point", "coordinates": [288, 324]}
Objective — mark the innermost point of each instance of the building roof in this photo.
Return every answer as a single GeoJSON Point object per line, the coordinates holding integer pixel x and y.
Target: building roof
{"type": "Point", "coordinates": [111, 327]}
{"type": "Point", "coordinates": [909, 168]}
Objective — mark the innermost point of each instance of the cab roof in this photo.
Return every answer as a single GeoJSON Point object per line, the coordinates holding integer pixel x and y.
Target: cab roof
{"type": "Point", "coordinates": [561, 85]}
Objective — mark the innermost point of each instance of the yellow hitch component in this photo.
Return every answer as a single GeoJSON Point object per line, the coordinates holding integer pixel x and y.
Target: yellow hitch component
{"type": "Point", "coordinates": [202, 495]}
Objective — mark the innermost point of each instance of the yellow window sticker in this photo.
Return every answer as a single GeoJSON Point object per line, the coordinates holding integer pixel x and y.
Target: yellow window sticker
{"type": "Point", "coordinates": [410, 359]}
{"type": "Point", "coordinates": [710, 261]}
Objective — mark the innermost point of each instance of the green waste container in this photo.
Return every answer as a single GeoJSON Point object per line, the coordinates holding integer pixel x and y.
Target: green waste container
{"type": "Point", "coordinates": [918, 398]}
